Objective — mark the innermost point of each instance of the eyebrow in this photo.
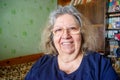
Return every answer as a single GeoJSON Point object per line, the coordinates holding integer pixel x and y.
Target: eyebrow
{"type": "Point", "coordinates": [74, 24]}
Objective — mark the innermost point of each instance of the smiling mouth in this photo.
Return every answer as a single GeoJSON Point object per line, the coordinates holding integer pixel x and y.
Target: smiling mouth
{"type": "Point", "coordinates": [67, 43]}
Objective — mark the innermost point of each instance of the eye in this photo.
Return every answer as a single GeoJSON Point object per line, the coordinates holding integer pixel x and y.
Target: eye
{"type": "Point", "coordinates": [74, 28]}
{"type": "Point", "coordinates": [57, 30]}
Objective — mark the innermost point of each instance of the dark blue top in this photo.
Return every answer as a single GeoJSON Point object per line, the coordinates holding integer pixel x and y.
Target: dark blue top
{"type": "Point", "coordinates": [93, 67]}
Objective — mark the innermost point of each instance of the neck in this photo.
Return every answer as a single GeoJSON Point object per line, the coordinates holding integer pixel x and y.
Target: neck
{"type": "Point", "coordinates": [69, 64]}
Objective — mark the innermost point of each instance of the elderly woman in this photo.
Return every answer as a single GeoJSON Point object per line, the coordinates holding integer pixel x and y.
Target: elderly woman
{"type": "Point", "coordinates": [70, 41]}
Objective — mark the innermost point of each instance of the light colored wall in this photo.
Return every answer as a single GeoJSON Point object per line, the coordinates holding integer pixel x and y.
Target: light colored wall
{"type": "Point", "coordinates": [21, 23]}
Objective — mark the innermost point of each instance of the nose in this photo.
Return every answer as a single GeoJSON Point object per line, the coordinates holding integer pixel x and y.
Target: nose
{"type": "Point", "coordinates": [66, 34]}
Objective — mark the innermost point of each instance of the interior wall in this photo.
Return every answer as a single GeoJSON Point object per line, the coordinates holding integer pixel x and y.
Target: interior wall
{"type": "Point", "coordinates": [21, 24]}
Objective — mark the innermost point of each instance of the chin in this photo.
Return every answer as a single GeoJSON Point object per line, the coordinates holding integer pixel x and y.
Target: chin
{"type": "Point", "coordinates": [68, 51]}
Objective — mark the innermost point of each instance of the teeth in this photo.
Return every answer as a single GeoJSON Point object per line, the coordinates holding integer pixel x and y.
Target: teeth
{"type": "Point", "coordinates": [66, 43]}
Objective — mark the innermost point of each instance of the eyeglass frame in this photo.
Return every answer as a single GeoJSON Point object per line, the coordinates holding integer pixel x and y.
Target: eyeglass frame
{"type": "Point", "coordinates": [69, 30]}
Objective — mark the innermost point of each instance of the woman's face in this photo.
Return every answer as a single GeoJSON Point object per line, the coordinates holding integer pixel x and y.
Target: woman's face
{"type": "Point", "coordinates": [66, 35]}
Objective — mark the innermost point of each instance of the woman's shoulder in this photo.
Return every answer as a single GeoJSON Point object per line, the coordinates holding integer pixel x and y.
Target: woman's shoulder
{"type": "Point", "coordinates": [97, 61]}
{"type": "Point", "coordinates": [41, 65]}
{"type": "Point", "coordinates": [96, 57]}
{"type": "Point", "coordinates": [45, 59]}
{"type": "Point", "coordinates": [95, 54]}
{"type": "Point", "coordinates": [100, 65]}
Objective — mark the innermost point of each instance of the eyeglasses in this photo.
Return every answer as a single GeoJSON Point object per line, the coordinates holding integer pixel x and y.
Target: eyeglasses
{"type": "Point", "coordinates": [70, 30]}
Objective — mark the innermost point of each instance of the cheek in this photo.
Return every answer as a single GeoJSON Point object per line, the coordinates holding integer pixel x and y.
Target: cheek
{"type": "Point", "coordinates": [56, 41]}
{"type": "Point", "coordinates": [78, 40]}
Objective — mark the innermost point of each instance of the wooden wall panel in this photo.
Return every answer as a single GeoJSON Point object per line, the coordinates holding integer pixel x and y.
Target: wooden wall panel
{"type": "Point", "coordinates": [63, 2]}
{"type": "Point", "coordinates": [94, 11]}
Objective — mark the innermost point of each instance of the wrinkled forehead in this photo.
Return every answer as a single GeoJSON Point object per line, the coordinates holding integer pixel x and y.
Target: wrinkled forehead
{"type": "Point", "coordinates": [66, 19]}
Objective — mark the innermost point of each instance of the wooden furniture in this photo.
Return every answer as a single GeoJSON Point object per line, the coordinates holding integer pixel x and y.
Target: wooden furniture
{"type": "Point", "coordinates": [21, 59]}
